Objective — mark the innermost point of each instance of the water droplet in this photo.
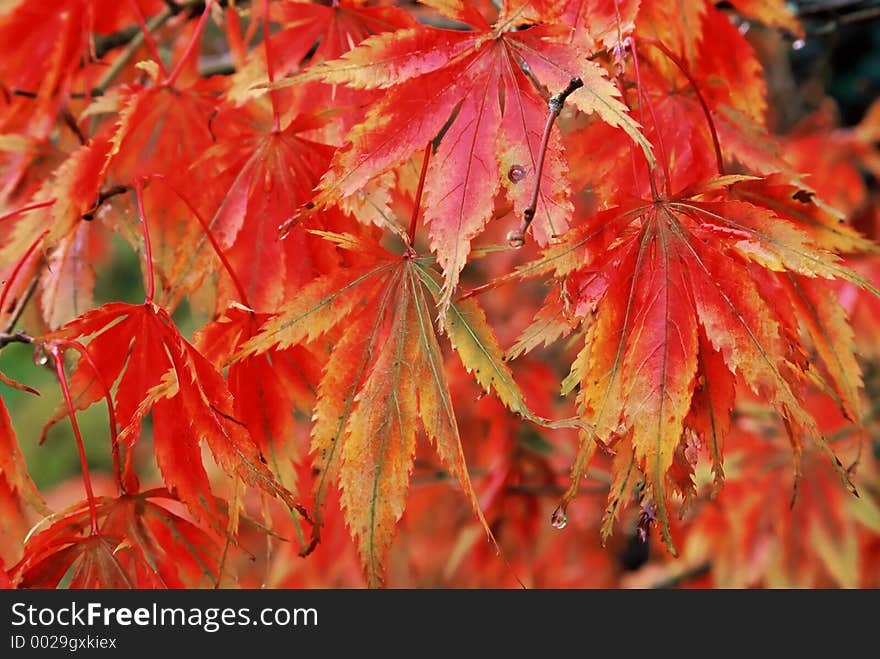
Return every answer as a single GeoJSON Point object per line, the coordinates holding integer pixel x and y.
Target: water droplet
{"type": "Point", "coordinates": [744, 27]}
{"type": "Point", "coordinates": [797, 44]}
{"type": "Point", "coordinates": [516, 173]}
{"type": "Point", "coordinates": [515, 239]}
{"type": "Point", "coordinates": [558, 520]}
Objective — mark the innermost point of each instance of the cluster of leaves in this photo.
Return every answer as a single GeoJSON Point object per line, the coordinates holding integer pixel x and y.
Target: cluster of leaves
{"type": "Point", "coordinates": [366, 201]}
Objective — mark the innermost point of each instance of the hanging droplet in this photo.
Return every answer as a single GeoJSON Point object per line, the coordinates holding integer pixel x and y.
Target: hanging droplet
{"type": "Point", "coordinates": [41, 358]}
{"type": "Point", "coordinates": [516, 173]}
{"type": "Point", "coordinates": [515, 239]}
{"type": "Point", "coordinates": [558, 520]}
{"type": "Point", "coordinates": [797, 44]}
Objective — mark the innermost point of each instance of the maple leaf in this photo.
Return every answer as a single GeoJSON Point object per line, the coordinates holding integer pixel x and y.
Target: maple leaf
{"type": "Point", "coordinates": [475, 82]}
{"type": "Point", "coordinates": [667, 292]}
{"type": "Point", "coordinates": [269, 174]}
{"type": "Point", "coordinates": [12, 464]}
{"type": "Point", "coordinates": [383, 380]}
{"type": "Point", "coordinates": [161, 128]}
{"type": "Point", "coordinates": [54, 41]}
{"type": "Point", "coordinates": [312, 33]}
{"type": "Point", "coordinates": [54, 228]}
{"type": "Point", "coordinates": [266, 388]}
{"type": "Point", "coordinates": [141, 543]}
{"type": "Point", "coordinates": [835, 160]}
{"type": "Point", "coordinates": [158, 370]}
{"type": "Point", "coordinates": [756, 535]}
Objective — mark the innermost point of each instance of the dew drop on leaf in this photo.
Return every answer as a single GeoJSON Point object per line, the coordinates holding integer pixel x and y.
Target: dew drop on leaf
{"type": "Point", "coordinates": [515, 239]}
{"type": "Point", "coordinates": [558, 519]}
{"type": "Point", "coordinates": [516, 173]}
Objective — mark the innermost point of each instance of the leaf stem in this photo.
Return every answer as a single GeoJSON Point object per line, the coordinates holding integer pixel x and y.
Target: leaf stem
{"type": "Point", "coordinates": [22, 305]}
{"type": "Point", "coordinates": [684, 71]}
{"type": "Point", "coordinates": [555, 104]}
{"type": "Point", "coordinates": [111, 411]}
{"type": "Point", "coordinates": [270, 68]}
{"type": "Point", "coordinates": [643, 97]}
{"type": "Point", "coordinates": [125, 56]}
{"type": "Point", "coordinates": [417, 202]}
{"type": "Point", "coordinates": [190, 48]}
{"type": "Point", "coordinates": [148, 38]}
{"type": "Point", "coordinates": [17, 269]}
{"type": "Point", "coordinates": [148, 250]}
{"type": "Point", "coordinates": [218, 250]}
{"type": "Point", "coordinates": [55, 351]}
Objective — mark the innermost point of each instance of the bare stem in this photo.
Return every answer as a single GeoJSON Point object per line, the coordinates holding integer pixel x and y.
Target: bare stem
{"type": "Point", "coordinates": [18, 337]}
{"type": "Point", "coordinates": [556, 103]}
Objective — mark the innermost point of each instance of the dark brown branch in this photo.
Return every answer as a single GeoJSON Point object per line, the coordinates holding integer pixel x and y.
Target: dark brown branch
{"type": "Point", "coordinates": [70, 122]}
{"type": "Point", "coordinates": [23, 303]}
{"type": "Point", "coordinates": [15, 337]}
{"type": "Point", "coordinates": [103, 196]}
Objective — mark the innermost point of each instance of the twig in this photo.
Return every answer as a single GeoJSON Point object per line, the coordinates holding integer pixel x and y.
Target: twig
{"type": "Point", "coordinates": [16, 337]}
{"type": "Point", "coordinates": [556, 103]}
{"type": "Point", "coordinates": [24, 302]}
{"type": "Point", "coordinates": [103, 196]}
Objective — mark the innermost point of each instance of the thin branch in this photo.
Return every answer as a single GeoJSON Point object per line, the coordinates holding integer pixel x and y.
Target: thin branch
{"type": "Point", "coordinates": [103, 196]}
{"type": "Point", "coordinates": [206, 227]}
{"type": "Point", "coordinates": [645, 100]}
{"type": "Point", "coordinates": [555, 104]}
{"type": "Point", "coordinates": [190, 48]}
{"type": "Point", "coordinates": [17, 337]}
{"type": "Point", "coordinates": [28, 294]}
